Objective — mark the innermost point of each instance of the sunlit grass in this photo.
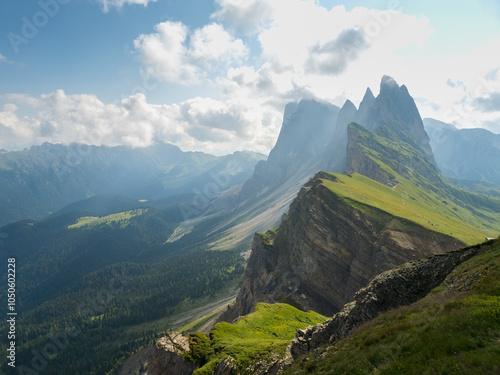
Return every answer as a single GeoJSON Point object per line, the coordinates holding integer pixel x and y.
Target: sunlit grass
{"type": "Point", "coordinates": [257, 336]}
{"type": "Point", "coordinates": [439, 213]}
{"type": "Point", "coordinates": [447, 332]}
{"type": "Point", "coordinates": [121, 217]}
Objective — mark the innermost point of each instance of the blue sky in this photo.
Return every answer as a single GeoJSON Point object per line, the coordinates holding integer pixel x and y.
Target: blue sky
{"type": "Point", "coordinates": [215, 75]}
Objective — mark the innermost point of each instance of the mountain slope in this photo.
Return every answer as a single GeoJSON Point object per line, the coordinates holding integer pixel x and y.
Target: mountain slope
{"type": "Point", "coordinates": [454, 329]}
{"type": "Point", "coordinates": [394, 201]}
{"type": "Point", "coordinates": [314, 137]}
{"type": "Point", "coordinates": [300, 151]}
{"type": "Point", "coordinates": [467, 154]}
{"type": "Point", "coordinates": [434, 315]}
{"type": "Point", "coordinates": [44, 179]}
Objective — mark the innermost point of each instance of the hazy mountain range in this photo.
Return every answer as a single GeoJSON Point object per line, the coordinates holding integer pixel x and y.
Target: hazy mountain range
{"type": "Point", "coordinates": [345, 194]}
{"type": "Point", "coordinates": [44, 179]}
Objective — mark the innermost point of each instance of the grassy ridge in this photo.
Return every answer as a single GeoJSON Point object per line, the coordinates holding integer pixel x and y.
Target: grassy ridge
{"type": "Point", "coordinates": [254, 337]}
{"type": "Point", "coordinates": [453, 330]}
{"type": "Point", "coordinates": [437, 211]}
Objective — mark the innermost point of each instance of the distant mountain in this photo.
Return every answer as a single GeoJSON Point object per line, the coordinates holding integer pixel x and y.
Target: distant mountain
{"type": "Point", "coordinates": [393, 115]}
{"type": "Point", "coordinates": [466, 154]}
{"type": "Point", "coordinates": [44, 179]}
{"type": "Point", "coordinates": [306, 131]}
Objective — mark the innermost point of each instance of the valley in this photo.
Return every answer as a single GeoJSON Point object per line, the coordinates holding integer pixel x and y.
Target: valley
{"type": "Point", "coordinates": [345, 195]}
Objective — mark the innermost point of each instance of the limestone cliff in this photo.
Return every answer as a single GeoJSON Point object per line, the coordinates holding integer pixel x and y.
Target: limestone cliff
{"type": "Point", "coordinates": [168, 356]}
{"type": "Point", "coordinates": [397, 287]}
{"type": "Point", "coordinates": [326, 250]}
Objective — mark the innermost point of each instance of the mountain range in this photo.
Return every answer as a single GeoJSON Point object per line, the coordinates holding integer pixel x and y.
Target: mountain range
{"type": "Point", "coordinates": [44, 179]}
{"type": "Point", "coordinates": [346, 194]}
{"type": "Point", "coordinates": [340, 233]}
{"type": "Point", "coordinates": [465, 154]}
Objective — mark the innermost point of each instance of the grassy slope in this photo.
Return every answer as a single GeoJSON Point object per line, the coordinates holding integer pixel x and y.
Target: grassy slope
{"type": "Point", "coordinates": [448, 332]}
{"type": "Point", "coordinates": [437, 205]}
{"type": "Point", "coordinates": [120, 217]}
{"type": "Point", "coordinates": [256, 336]}
{"type": "Point", "coordinates": [439, 212]}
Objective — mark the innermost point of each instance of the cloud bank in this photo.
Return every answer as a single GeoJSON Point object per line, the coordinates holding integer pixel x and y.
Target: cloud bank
{"type": "Point", "coordinates": [197, 124]}
{"type": "Point", "coordinates": [257, 55]}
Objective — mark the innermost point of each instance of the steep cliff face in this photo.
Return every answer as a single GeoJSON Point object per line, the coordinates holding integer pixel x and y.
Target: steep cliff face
{"type": "Point", "coordinates": [314, 136]}
{"type": "Point", "coordinates": [395, 114]}
{"type": "Point", "coordinates": [299, 153]}
{"type": "Point", "coordinates": [397, 287]}
{"type": "Point", "coordinates": [366, 151]}
{"type": "Point", "coordinates": [169, 356]}
{"type": "Point", "coordinates": [307, 128]}
{"type": "Point", "coordinates": [326, 249]}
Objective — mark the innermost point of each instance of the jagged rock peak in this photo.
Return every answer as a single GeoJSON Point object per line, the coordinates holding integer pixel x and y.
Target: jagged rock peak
{"type": "Point", "coordinates": [346, 114]}
{"type": "Point", "coordinates": [368, 99]}
{"type": "Point", "coordinates": [368, 94]}
{"type": "Point", "coordinates": [363, 114]}
{"type": "Point", "coordinates": [388, 83]}
{"type": "Point", "coordinates": [348, 105]}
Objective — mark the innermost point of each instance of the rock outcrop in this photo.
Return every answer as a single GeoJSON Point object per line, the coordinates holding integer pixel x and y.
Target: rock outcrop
{"type": "Point", "coordinates": [398, 287]}
{"type": "Point", "coordinates": [169, 356]}
{"type": "Point", "coordinates": [226, 367]}
{"type": "Point", "coordinates": [326, 250]}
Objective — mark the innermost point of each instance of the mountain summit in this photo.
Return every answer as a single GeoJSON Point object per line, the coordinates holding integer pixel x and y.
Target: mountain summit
{"type": "Point", "coordinates": [391, 206]}
{"type": "Point", "coordinates": [315, 136]}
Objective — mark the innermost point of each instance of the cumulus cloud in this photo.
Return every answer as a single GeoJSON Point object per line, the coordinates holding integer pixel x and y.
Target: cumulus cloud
{"type": "Point", "coordinates": [197, 124]}
{"type": "Point", "coordinates": [258, 55]}
{"type": "Point", "coordinates": [120, 3]}
{"type": "Point", "coordinates": [170, 55]}
{"type": "Point", "coordinates": [250, 16]}
{"type": "Point", "coordinates": [468, 95]}
{"type": "Point", "coordinates": [490, 103]}
{"type": "Point", "coordinates": [22, 99]}
{"type": "Point", "coordinates": [334, 56]}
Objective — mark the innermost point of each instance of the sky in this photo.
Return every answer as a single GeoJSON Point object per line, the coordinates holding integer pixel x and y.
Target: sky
{"type": "Point", "coordinates": [215, 75]}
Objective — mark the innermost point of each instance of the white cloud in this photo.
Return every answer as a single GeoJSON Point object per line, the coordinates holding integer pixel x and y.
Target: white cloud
{"type": "Point", "coordinates": [300, 49]}
{"type": "Point", "coordinates": [198, 124]}
{"type": "Point", "coordinates": [2, 58]}
{"type": "Point", "coordinates": [170, 55]}
{"type": "Point", "coordinates": [250, 16]}
{"type": "Point", "coordinates": [23, 99]}
{"type": "Point", "coordinates": [474, 81]}
{"type": "Point", "coordinates": [120, 3]}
